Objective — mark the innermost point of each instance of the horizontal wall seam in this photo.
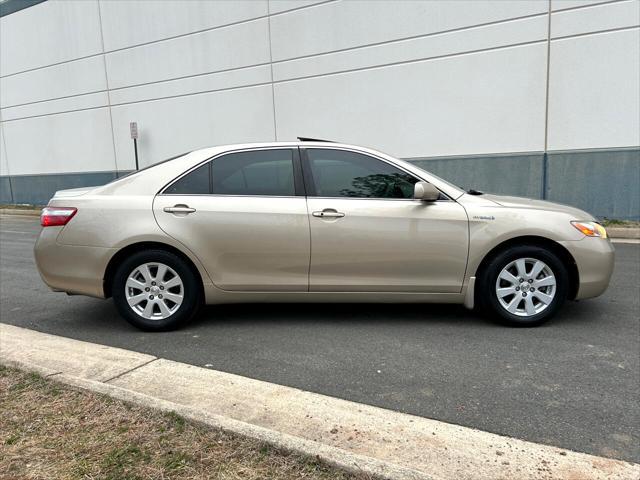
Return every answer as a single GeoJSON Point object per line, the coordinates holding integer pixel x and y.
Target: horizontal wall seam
{"type": "Point", "coordinates": [262, 64]}
{"type": "Point", "coordinates": [339, 72]}
{"type": "Point", "coordinates": [356, 47]}
{"type": "Point", "coordinates": [195, 32]}
{"type": "Point", "coordinates": [583, 7]}
{"type": "Point", "coordinates": [240, 22]}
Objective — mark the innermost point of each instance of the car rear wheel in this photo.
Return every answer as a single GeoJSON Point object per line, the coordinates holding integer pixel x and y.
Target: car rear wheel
{"type": "Point", "coordinates": [156, 290]}
{"type": "Point", "coordinates": [523, 286]}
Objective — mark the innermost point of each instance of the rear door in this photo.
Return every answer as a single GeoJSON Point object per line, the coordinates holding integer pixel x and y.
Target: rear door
{"type": "Point", "coordinates": [244, 215]}
{"type": "Point", "coordinates": [369, 234]}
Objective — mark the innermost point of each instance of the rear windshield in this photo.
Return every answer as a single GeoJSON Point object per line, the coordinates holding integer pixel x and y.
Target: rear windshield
{"type": "Point", "coordinates": [132, 172]}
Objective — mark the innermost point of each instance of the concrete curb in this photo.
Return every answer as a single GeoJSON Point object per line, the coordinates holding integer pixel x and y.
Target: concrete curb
{"type": "Point", "coordinates": [624, 232]}
{"type": "Point", "coordinates": [353, 436]}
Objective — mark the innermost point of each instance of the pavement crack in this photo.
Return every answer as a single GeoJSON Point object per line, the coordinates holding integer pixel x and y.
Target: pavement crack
{"type": "Point", "coordinates": [131, 370]}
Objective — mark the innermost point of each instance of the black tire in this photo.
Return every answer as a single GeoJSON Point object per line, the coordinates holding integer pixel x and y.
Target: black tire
{"type": "Point", "coordinates": [191, 290]}
{"type": "Point", "coordinates": [487, 298]}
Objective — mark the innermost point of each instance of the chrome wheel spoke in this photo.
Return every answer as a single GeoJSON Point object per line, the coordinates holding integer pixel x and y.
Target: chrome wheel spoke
{"type": "Point", "coordinates": [537, 268]}
{"type": "Point", "coordinates": [549, 281]}
{"type": "Point", "coordinates": [543, 297]}
{"type": "Point", "coordinates": [148, 309]}
{"type": "Point", "coordinates": [521, 267]}
{"type": "Point", "coordinates": [528, 306]}
{"type": "Point", "coordinates": [174, 297]}
{"type": "Point", "coordinates": [164, 310]}
{"type": "Point", "coordinates": [145, 272]}
{"type": "Point", "coordinates": [162, 271]}
{"type": "Point", "coordinates": [503, 292]}
{"type": "Point", "coordinates": [513, 304]}
{"type": "Point", "coordinates": [507, 277]}
{"type": "Point", "coordinates": [136, 299]}
{"type": "Point", "coordinates": [172, 282]}
{"type": "Point", "coordinates": [133, 283]}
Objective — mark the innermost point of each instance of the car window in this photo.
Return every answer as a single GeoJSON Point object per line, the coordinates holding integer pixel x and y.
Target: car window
{"type": "Point", "coordinates": [261, 172]}
{"type": "Point", "coordinates": [197, 182]}
{"type": "Point", "coordinates": [339, 173]}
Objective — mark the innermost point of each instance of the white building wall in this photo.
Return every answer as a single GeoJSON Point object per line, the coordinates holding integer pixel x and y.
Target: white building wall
{"type": "Point", "coordinates": [414, 78]}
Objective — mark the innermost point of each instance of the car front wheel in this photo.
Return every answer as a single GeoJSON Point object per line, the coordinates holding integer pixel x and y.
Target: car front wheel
{"type": "Point", "coordinates": [524, 286]}
{"type": "Point", "coordinates": [156, 290]}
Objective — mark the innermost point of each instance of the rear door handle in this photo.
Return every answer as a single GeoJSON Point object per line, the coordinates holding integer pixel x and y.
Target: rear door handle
{"type": "Point", "coordinates": [328, 213]}
{"type": "Point", "coordinates": [179, 209]}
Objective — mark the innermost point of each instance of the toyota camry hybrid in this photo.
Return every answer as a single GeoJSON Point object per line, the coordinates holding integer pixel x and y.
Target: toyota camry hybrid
{"type": "Point", "coordinates": [314, 221]}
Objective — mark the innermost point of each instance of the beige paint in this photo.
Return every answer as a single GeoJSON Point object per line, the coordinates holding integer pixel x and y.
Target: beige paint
{"type": "Point", "coordinates": [260, 248]}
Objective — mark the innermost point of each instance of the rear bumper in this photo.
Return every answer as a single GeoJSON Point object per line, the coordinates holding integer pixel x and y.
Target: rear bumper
{"type": "Point", "coordinates": [71, 268]}
{"type": "Point", "coordinates": [595, 259]}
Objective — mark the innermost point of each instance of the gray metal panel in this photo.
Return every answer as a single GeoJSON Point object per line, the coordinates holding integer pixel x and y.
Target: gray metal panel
{"type": "Point", "coordinates": [38, 189]}
{"type": "Point", "coordinates": [519, 174]}
{"type": "Point", "coordinates": [5, 190]}
{"type": "Point", "coordinates": [604, 183]}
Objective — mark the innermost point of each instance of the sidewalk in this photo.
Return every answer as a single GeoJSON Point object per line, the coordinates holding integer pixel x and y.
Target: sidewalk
{"type": "Point", "coordinates": [354, 436]}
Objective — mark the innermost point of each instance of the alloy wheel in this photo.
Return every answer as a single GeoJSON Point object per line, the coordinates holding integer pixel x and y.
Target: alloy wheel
{"type": "Point", "coordinates": [526, 287]}
{"type": "Point", "coordinates": [154, 291]}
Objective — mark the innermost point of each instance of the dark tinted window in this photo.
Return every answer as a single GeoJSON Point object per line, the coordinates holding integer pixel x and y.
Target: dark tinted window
{"type": "Point", "coordinates": [262, 172]}
{"type": "Point", "coordinates": [338, 173]}
{"type": "Point", "coordinates": [197, 182]}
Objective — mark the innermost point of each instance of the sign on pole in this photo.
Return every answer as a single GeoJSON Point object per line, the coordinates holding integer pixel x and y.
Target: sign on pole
{"type": "Point", "coordinates": [133, 129]}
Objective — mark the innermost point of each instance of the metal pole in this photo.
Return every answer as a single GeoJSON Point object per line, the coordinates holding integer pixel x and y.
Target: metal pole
{"type": "Point", "coordinates": [135, 150]}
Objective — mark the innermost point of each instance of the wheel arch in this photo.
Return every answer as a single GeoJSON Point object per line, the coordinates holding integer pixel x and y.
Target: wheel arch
{"type": "Point", "coordinates": [537, 241]}
{"type": "Point", "coordinates": [124, 252]}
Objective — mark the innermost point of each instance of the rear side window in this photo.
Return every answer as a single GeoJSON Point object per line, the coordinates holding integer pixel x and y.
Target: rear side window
{"type": "Point", "coordinates": [197, 182]}
{"type": "Point", "coordinates": [262, 172]}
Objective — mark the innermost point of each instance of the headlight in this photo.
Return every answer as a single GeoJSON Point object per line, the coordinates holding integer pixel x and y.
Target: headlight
{"type": "Point", "coordinates": [590, 229]}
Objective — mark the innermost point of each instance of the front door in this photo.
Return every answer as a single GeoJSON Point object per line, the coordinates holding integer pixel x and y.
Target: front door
{"type": "Point", "coordinates": [368, 234]}
{"type": "Point", "coordinates": [244, 216]}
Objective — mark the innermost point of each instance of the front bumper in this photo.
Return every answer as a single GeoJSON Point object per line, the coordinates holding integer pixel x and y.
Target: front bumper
{"type": "Point", "coordinates": [595, 259]}
{"type": "Point", "coordinates": [71, 268]}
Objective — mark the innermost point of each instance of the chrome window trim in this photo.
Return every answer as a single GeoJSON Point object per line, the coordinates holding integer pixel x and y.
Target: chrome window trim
{"type": "Point", "coordinates": [162, 190]}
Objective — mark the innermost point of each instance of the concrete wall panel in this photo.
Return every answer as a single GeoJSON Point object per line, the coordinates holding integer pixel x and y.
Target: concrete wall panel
{"type": "Point", "coordinates": [126, 23]}
{"type": "Point", "coordinates": [594, 94]}
{"type": "Point", "coordinates": [596, 18]}
{"type": "Point", "coordinates": [339, 25]}
{"type": "Point", "coordinates": [72, 78]}
{"type": "Point", "coordinates": [49, 33]}
{"type": "Point", "coordinates": [71, 142]}
{"type": "Point", "coordinates": [472, 39]}
{"type": "Point", "coordinates": [425, 108]}
{"type": "Point", "coordinates": [236, 46]}
{"type": "Point", "coordinates": [173, 126]}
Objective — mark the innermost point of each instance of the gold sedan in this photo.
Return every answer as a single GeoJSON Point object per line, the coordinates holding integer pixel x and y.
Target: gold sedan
{"type": "Point", "coordinates": [314, 221]}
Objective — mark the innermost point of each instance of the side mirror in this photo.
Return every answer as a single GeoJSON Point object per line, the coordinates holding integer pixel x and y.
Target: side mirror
{"type": "Point", "coordinates": [426, 192]}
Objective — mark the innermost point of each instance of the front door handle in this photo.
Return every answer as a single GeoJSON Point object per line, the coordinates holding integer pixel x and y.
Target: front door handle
{"type": "Point", "coordinates": [180, 208]}
{"type": "Point", "coordinates": [328, 213]}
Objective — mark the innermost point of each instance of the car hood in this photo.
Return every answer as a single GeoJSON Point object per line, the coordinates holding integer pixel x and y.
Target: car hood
{"type": "Point", "coordinates": [521, 202]}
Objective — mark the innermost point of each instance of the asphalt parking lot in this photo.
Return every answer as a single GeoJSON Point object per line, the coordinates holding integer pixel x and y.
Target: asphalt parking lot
{"type": "Point", "coordinates": [573, 383]}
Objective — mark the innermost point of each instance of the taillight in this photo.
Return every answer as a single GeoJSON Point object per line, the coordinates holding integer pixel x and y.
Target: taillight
{"type": "Point", "coordinates": [56, 216]}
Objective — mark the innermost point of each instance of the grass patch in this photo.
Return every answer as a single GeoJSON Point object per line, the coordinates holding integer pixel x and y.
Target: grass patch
{"type": "Point", "coordinates": [49, 430]}
{"type": "Point", "coordinates": [612, 222]}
